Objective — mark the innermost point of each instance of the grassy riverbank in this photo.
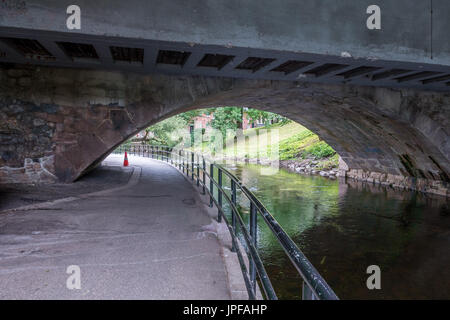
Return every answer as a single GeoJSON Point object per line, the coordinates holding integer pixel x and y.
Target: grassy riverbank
{"type": "Point", "coordinates": [295, 144]}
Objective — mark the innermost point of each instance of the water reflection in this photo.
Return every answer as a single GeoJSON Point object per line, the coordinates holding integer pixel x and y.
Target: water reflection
{"type": "Point", "coordinates": [343, 227]}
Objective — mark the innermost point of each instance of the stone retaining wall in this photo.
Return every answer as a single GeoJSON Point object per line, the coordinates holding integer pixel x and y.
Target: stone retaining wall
{"type": "Point", "coordinates": [399, 182]}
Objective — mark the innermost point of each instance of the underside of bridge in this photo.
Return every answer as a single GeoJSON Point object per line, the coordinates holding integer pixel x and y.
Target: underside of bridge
{"type": "Point", "coordinates": [57, 123]}
{"type": "Point", "coordinates": [379, 97]}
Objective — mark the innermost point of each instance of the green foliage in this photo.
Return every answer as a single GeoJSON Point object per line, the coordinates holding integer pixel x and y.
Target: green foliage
{"type": "Point", "coordinates": [168, 132]}
{"type": "Point", "coordinates": [329, 163]}
{"type": "Point", "coordinates": [226, 118]}
{"type": "Point", "coordinates": [265, 116]}
{"type": "Point", "coordinates": [320, 150]}
{"type": "Point", "coordinates": [306, 144]}
{"type": "Point", "coordinates": [171, 131]}
{"type": "Point", "coordinates": [189, 115]}
{"type": "Point", "coordinates": [291, 147]}
{"type": "Point", "coordinates": [295, 141]}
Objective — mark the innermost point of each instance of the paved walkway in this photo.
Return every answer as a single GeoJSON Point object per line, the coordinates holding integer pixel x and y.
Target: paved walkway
{"type": "Point", "coordinates": [149, 241]}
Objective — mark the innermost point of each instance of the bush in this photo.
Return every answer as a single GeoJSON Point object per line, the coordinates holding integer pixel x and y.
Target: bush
{"type": "Point", "coordinates": [290, 147]}
{"type": "Point", "coordinates": [320, 150]}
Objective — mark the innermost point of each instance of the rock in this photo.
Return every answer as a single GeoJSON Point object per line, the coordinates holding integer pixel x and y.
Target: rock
{"type": "Point", "coordinates": [38, 122]}
{"type": "Point", "coordinates": [324, 173]}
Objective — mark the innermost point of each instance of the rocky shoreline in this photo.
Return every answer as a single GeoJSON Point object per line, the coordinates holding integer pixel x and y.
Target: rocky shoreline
{"type": "Point", "coordinates": [309, 166]}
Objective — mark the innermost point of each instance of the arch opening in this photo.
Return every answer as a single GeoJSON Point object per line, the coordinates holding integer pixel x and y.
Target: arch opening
{"type": "Point", "coordinates": [244, 135]}
{"type": "Point", "coordinates": [397, 137]}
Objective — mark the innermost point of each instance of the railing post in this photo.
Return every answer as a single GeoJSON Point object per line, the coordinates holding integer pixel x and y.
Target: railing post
{"type": "Point", "coordinates": [183, 152]}
{"type": "Point", "coordinates": [219, 215]}
{"type": "Point", "coordinates": [204, 174]}
{"type": "Point", "coordinates": [179, 159]}
{"type": "Point", "coordinates": [307, 293]}
{"type": "Point", "coordinates": [233, 214]}
{"type": "Point", "coordinates": [198, 171]}
{"type": "Point", "coordinates": [192, 165]}
{"type": "Point", "coordinates": [187, 163]}
{"type": "Point", "coordinates": [211, 184]}
{"type": "Point", "coordinates": [253, 233]}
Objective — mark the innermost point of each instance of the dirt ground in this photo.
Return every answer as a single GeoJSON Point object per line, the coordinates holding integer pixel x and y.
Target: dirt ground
{"type": "Point", "coordinates": [101, 178]}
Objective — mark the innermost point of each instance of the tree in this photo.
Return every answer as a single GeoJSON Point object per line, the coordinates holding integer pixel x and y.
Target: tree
{"type": "Point", "coordinates": [264, 116]}
{"type": "Point", "coordinates": [189, 115]}
{"type": "Point", "coordinates": [226, 118]}
{"type": "Point", "coordinates": [172, 130]}
{"type": "Point", "coordinates": [165, 132]}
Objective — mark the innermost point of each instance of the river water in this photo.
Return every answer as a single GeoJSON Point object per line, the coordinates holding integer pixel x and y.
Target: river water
{"type": "Point", "coordinates": [344, 227]}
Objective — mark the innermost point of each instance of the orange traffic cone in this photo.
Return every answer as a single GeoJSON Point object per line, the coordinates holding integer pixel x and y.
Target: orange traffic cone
{"type": "Point", "coordinates": [125, 160]}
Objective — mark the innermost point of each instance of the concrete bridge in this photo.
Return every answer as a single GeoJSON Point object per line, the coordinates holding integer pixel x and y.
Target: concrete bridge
{"type": "Point", "coordinates": [379, 97]}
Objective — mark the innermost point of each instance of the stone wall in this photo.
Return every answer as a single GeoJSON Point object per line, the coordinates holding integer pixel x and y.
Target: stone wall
{"type": "Point", "coordinates": [80, 116]}
{"type": "Point", "coordinates": [26, 141]}
{"type": "Point", "coordinates": [438, 187]}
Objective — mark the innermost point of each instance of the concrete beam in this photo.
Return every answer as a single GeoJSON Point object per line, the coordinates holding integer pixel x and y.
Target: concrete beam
{"type": "Point", "coordinates": [313, 26]}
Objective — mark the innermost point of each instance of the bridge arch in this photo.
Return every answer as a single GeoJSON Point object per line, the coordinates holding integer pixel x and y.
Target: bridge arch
{"type": "Point", "coordinates": [401, 134]}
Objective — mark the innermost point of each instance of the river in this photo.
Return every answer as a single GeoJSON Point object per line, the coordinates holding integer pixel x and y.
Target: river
{"type": "Point", "coordinates": [344, 227]}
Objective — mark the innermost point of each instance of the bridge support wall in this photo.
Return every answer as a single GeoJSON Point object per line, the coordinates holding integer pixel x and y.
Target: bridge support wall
{"type": "Point", "coordinates": [58, 123]}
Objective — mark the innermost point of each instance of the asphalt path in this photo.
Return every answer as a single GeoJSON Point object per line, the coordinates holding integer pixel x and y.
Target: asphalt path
{"type": "Point", "coordinates": [151, 240]}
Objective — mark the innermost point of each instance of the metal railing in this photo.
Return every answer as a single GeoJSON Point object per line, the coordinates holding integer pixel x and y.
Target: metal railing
{"type": "Point", "coordinates": [195, 166]}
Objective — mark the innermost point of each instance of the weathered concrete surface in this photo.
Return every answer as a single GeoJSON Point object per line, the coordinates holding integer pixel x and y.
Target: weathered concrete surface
{"type": "Point", "coordinates": [315, 26]}
{"type": "Point", "coordinates": [72, 119]}
{"type": "Point", "coordinates": [103, 177]}
{"type": "Point", "coordinates": [145, 242]}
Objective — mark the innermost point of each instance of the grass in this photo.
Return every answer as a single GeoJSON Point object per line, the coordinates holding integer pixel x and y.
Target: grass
{"type": "Point", "coordinates": [293, 141]}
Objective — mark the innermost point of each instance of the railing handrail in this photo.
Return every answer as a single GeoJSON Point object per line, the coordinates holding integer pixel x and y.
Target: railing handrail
{"type": "Point", "coordinates": [316, 287]}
